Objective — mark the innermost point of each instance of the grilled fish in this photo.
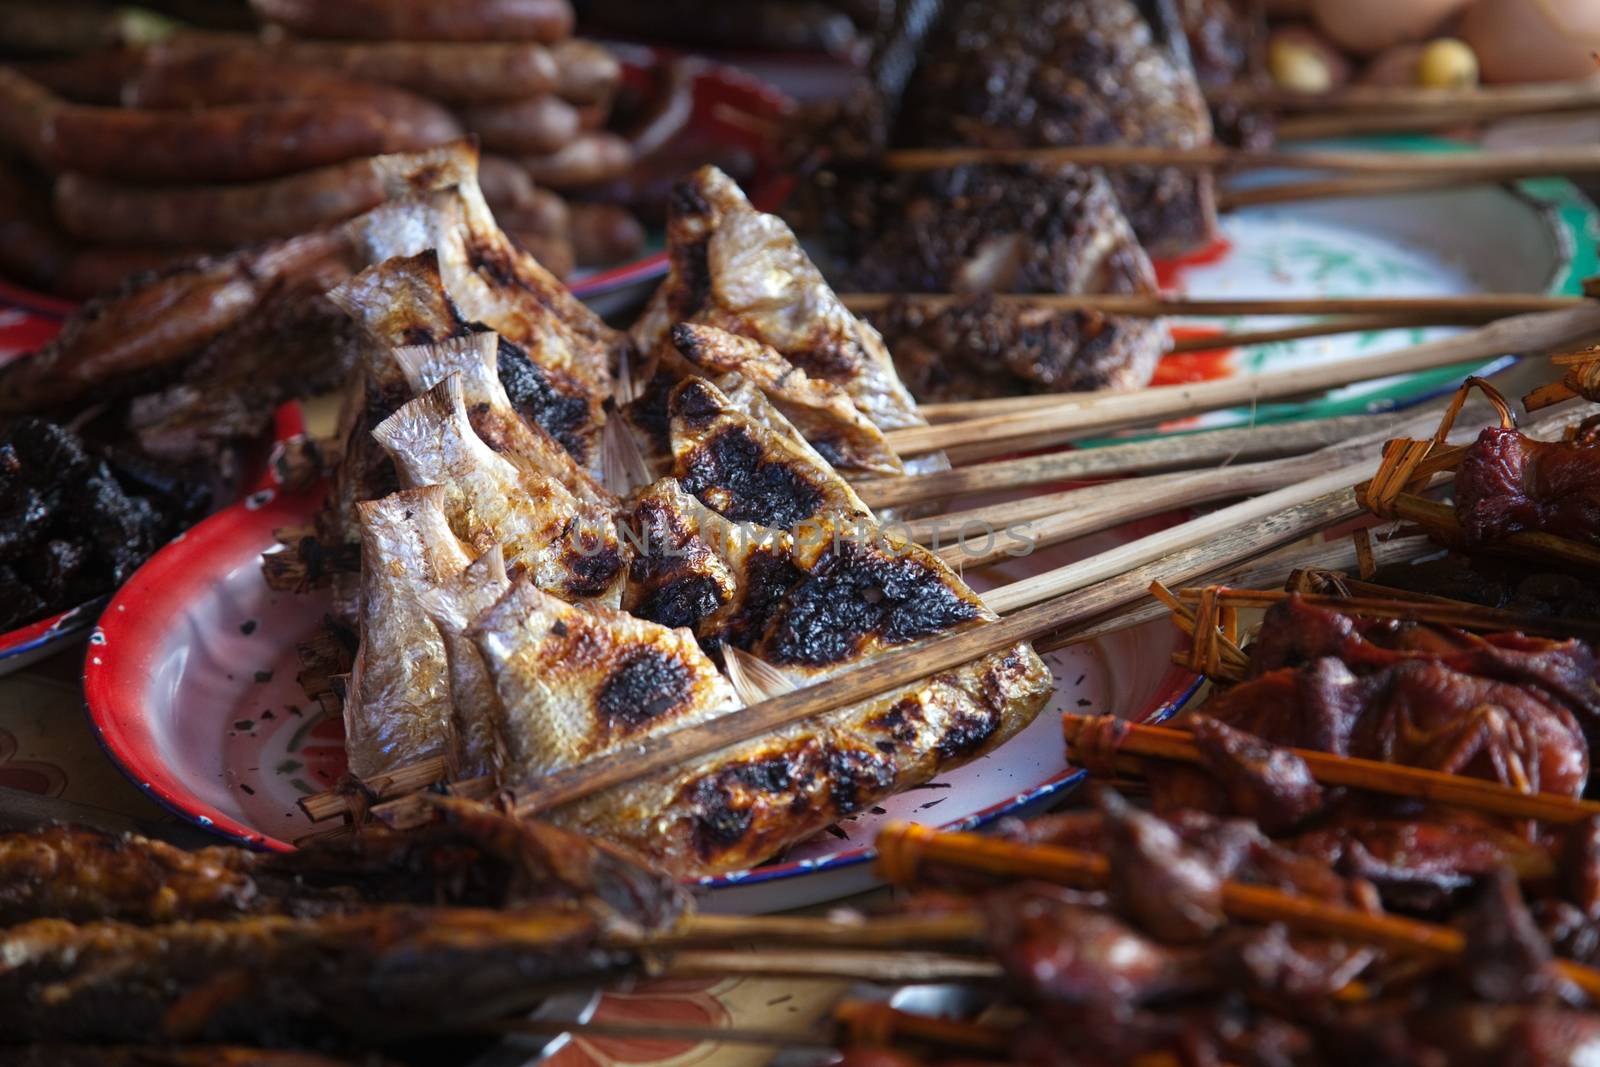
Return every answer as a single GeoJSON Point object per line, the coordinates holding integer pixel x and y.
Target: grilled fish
{"type": "Point", "coordinates": [568, 547]}
{"type": "Point", "coordinates": [476, 359]}
{"type": "Point", "coordinates": [494, 283]}
{"type": "Point", "coordinates": [808, 602]}
{"type": "Point", "coordinates": [743, 271]}
{"type": "Point", "coordinates": [574, 682]}
{"type": "Point", "coordinates": [452, 606]}
{"type": "Point", "coordinates": [397, 708]}
{"type": "Point", "coordinates": [820, 410]}
{"type": "Point", "coordinates": [750, 464]}
{"type": "Point", "coordinates": [402, 302]}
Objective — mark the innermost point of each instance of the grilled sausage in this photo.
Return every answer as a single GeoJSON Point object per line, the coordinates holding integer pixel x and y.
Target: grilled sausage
{"type": "Point", "coordinates": [538, 124]}
{"type": "Point", "coordinates": [182, 78]}
{"type": "Point", "coordinates": [603, 234]}
{"type": "Point", "coordinates": [586, 159]}
{"type": "Point", "coordinates": [422, 20]}
{"type": "Point", "coordinates": [585, 72]}
{"type": "Point", "coordinates": [215, 216]}
{"type": "Point", "coordinates": [447, 71]}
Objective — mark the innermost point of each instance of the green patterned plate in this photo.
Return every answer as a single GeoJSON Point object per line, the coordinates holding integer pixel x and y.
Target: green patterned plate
{"type": "Point", "coordinates": [1533, 236]}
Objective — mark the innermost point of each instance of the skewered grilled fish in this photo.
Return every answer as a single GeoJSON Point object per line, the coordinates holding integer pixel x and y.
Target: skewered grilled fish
{"type": "Point", "coordinates": [820, 410]}
{"type": "Point", "coordinates": [452, 606]}
{"type": "Point", "coordinates": [494, 283]}
{"type": "Point", "coordinates": [397, 709]}
{"type": "Point", "coordinates": [743, 271]}
{"type": "Point", "coordinates": [569, 547]}
{"type": "Point", "coordinates": [472, 856]}
{"type": "Point", "coordinates": [574, 682]}
{"type": "Point", "coordinates": [828, 595]}
{"type": "Point", "coordinates": [402, 303]}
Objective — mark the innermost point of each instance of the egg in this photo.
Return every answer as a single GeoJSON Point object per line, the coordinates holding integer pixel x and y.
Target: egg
{"type": "Point", "coordinates": [1303, 62]}
{"type": "Point", "coordinates": [1447, 64]}
{"type": "Point", "coordinates": [1533, 40]}
{"type": "Point", "coordinates": [1369, 26]}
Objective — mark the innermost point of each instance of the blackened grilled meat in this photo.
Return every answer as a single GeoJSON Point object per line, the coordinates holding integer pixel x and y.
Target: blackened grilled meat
{"type": "Point", "coordinates": [74, 524]}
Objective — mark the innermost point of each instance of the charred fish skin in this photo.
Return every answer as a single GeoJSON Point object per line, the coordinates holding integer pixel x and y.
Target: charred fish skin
{"type": "Point", "coordinates": [569, 547]}
{"type": "Point", "coordinates": [737, 269]}
{"type": "Point", "coordinates": [577, 682]}
{"type": "Point", "coordinates": [398, 707]}
{"type": "Point", "coordinates": [820, 410]}
{"type": "Point", "coordinates": [751, 470]}
{"type": "Point", "coordinates": [479, 359]}
{"type": "Point", "coordinates": [731, 811]}
{"type": "Point", "coordinates": [403, 305]}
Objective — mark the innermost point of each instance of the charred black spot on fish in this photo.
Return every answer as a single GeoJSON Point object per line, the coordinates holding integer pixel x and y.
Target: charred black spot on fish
{"type": "Point", "coordinates": [647, 686]}
{"type": "Point", "coordinates": [564, 416]}
{"type": "Point", "coordinates": [731, 476]}
{"type": "Point", "coordinates": [683, 602]}
{"type": "Point", "coordinates": [901, 720]}
{"type": "Point", "coordinates": [854, 592]}
{"type": "Point", "coordinates": [828, 449]}
{"type": "Point", "coordinates": [724, 806]}
{"type": "Point", "coordinates": [418, 335]}
{"type": "Point", "coordinates": [967, 732]}
{"type": "Point", "coordinates": [856, 777]}
{"type": "Point", "coordinates": [695, 404]}
{"type": "Point", "coordinates": [649, 411]}
{"type": "Point", "coordinates": [493, 260]}
{"type": "Point", "coordinates": [769, 574]}
{"type": "Point", "coordinates": [687, 202]}
{"type": "Point", "coordinates": [592, 565]}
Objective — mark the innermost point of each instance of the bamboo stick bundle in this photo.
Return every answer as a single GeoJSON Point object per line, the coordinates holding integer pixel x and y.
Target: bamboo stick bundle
{"type": "Point", "coordinates": [1083, 413]}
{"type": "Point", "coordinates": [1172, 452]}
{"type": "Point", "coordinates": [1484, 166]}
{"type": "Point", "coordinates": [904, 849]}
{"type": "Point", "coordinates": [1582, 378]}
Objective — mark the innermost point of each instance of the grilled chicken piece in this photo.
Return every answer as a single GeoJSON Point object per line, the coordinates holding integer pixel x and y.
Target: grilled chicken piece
{"type": "Point", "coordinates": [821, 411]}
{"type": "Point", "coordinates": [1010, 73]}
{"type": "Point", "coordinates": [568, 547]}
{"type": "Point", "coordinates": [743, 271]}
{"type": "Point", "coordinates": [397, 709]}
{"type": "Point", "coordinates": [403, 303]}
{"type": "Point", "coordinates": [574, 682]}
{"type": "Point", "coordinates": [374, 976]}
{"type": "Point", "coordinates": [452, 606]}
{"type": "Point", "coordinates": [494, 283]}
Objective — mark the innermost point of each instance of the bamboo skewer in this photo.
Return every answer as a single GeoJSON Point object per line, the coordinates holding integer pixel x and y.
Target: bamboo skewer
{"type": "Point", "coordinates": [1437, 610]}
{"type": "Point", "coordinates": [1163, 453]}
{"type": "Point", "coordinates": [904, 848]}
{"type": "Point", "coordinates": [867, 965]}
{"type": "Point", "coordinates": [1373, 776]}
{"type": "Point", "coordinates": [1484, 166]}
{"type": "Point", "coordinates": [1470, 306]}
{"type": "Point", "coordinates": [1087, 412]}
{"type": "Point", "coordinates": [1205, 553]}
{"type": "Point", "coordinates": [1234, 198]}
{"type": "Point", "coordinates": [1321, 328]}
{"type": "Point", "coordinates": [1383, 99]}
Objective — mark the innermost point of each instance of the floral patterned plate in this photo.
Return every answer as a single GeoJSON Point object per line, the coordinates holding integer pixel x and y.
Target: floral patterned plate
{"type": "Point", "coordinates": [190, 682]}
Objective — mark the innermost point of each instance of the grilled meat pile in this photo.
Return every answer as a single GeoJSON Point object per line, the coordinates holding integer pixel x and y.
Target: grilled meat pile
{"type": "Point", "coordinates": [371, 941]}
{"type": "Point", "coordinates": [77, 518]}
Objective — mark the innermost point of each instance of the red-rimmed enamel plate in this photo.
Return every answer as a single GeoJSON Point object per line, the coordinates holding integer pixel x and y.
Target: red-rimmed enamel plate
{"type": "Point", "coordinates": [190, 682]}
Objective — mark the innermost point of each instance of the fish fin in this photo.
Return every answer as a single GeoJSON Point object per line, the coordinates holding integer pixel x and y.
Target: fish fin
{"type": "Point", "coordinates": [623, 467]}
{"type": "Point", "coordinates": [417, 422]}
{"type": "Point", "coordinates": [473, 357]}
{"type": "Point", "coordinates": [753, 678]}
